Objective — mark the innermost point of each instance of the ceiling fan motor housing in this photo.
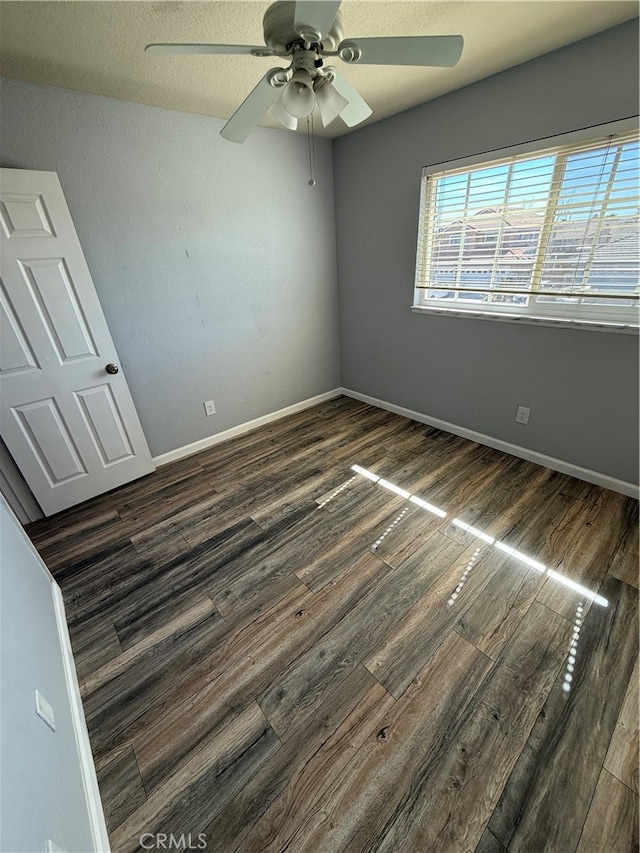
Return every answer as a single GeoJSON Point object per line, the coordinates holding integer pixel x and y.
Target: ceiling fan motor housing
{"type": "Point", "coordinates": [279, 32]}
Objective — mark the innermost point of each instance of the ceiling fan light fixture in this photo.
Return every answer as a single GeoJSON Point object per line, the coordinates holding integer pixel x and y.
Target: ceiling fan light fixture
{"type": "Point", "coordinates": [330, 102]}
{"type": "Point", "coordinates": [281, 115]}
{"type": "Point", "coordinates": [298, 98]}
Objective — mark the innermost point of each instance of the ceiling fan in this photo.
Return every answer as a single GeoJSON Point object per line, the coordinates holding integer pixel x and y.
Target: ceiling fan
{"type": "Point", "coordinates": [307, 32]}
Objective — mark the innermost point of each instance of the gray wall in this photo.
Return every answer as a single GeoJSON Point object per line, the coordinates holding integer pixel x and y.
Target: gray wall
{"type": "Point", "coordinates": [214, 262]}
{"type": "Point", "coordinates": [582, 386]}
{"type": "Point", "coordinates": [41, 787]}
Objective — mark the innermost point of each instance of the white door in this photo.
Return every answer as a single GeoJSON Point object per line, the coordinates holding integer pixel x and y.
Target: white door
{"type": "Point", "coordinates": [68, 422]}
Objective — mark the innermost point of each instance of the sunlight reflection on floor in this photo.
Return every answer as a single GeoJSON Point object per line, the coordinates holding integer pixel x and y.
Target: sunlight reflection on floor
{"type": "Point", "coordinates": [458, 522]}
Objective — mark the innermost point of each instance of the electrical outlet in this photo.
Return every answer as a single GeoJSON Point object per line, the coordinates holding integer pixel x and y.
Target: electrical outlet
{"type": "Point", "coordinates": [522, 415]}
{"type": "Point", "coordinates": [209, 408]}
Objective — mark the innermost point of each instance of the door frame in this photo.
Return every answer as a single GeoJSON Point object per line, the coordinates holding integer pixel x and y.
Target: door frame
{"type": "Point", "coordinates": [15, 490]}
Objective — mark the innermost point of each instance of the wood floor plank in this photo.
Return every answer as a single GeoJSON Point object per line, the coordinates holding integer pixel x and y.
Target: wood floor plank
{"type": "Point", "coordinates": [47, 533]}
{"type": "Point", "coordinates": [352, 815]}
{"type": "Point", "coordinates": [497, 501]}
{"type": "Point", "coordinates": [197, 521]}
{"type": "Point", "coordinates": [612, 821]}
{"type": "Point", "coordinates": [262, 450]}
{"type": "Point", "coordinates": [489, 844]}
{"type": "Point", "coordinates": [546, 800]}
{"type": "Point", "coordinates": [293, 549]}
{"type": "Point", "coordinates": [490, 620]}
{"type": "Point", "coordinates": [623, 756]}
{"type": "Point", "coordinates": [256, 665]}
{"type": "Point", "coordinates": [161, 590]}
{"type": "Point", "coordinates": [625, 564]}
{"type": "Point", "coordinates": [439, 682]}
{"type": "Point", "coordinates": [92, 586]}
{"type": "Point", "coordinates": [543, 526]}
{"type": "Point", "coordinates": [529, 516]}
{"type": "Point", "coordinates": [438, 458]}
{"type": "Point", "coordinates": [216, 691]}
{"type": "Point", "coordinates": [248, 447]}
{"type": "Point", "coordinates": [421, 451]}
{"type": "Point", "coordinates": [410, 533]}
{"type": "Point", "coordinates": [345, 480]}
{"type": "Point", "coordinates": [274, 781]}
{"type": "Point", "coordinates": [86, 537]}
{"type": "Point", "coordinates": [83, 576]}
{"type": "Point", "coordinates": [451, 810]}
{"type": "Point", "coordinates": [121, 788]}
{"type": "Point", "coordinates": [460, 575]}
{"type": "Point", "coordinates": [272, 471]}
{"type": "Point", "coordinates": [143, 512]}
{"type": "Point", "coordinates": [165, 475]}
{"type": "Point", "coordinates": [588, 556]}
{"type": "Point", "coordinates": [385, 430]}
{"type": "Point", "coordinates": [94, 643]}
{"type": "Point", "coordinates": [160, 543]}
{"type": "Point", "coordinates": [121, 691]}
{"type": "Point", "coordinates": [315, 777]}
{"type": "Point", "coordinates": [302, 687]}
{"type": "Point", "coordinates": [140, 655]}
{"type": "Point", "coordinates": [331, 560]}
{"type": "Point", "coordinates": [202, 523]}
{"type": "Point", "coordinates": [490, 501]}
{"type": "Point", "coordinates": [132, 626]}
{"type": "Point", "coordinates": [401, 460]}
{"type": "Point", "coordinates": [202, 786]}
{"type": "Point", "coordinates": [302, 493]}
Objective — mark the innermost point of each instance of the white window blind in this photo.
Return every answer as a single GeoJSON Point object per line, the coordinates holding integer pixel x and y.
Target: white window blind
{"type": "Point", "coordinates": [552, 234]}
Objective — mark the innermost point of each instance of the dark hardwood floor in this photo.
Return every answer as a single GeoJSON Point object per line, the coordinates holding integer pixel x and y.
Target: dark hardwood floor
{"type": "Point", "coordinates": [284, 653]}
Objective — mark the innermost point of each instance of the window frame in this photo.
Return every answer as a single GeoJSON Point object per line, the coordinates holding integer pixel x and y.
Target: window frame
{"type": "Point", "coordinates": [608, 318]}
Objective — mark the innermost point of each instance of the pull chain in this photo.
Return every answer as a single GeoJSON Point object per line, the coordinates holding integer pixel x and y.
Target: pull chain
{"type": "Point", "coordinates": [312, 151]}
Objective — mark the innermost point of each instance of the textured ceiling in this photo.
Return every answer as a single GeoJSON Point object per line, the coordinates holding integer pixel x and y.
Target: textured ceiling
{"type": "Point", "coordinates": [98, 46]}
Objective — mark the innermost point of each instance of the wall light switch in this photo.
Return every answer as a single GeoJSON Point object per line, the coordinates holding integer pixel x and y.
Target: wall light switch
{"type": "Point", "coordinates": [209, 408]}
{"type": "Point", "coordinates": [45, 711]}
{"type": "Point", "coordinates": [522, 415]}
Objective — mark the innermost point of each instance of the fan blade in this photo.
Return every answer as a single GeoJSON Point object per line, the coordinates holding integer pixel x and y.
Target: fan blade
{"type": "Point", "coordinates": [252, 109]}
{"type": "Point", "coordinates": [404, 50]}
{"type": "Point", "coordinates": [357, 109]}
{"type": "Point", "coordinates": [174, 49]}
{"type": "Point", "coordinates": [315, 16]}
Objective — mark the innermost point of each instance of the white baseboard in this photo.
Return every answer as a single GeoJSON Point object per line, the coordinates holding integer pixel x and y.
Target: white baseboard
{"type": "Point", "coordinates": [87, 767]}
{"type": "Point", "coordinates": [621, 486]}
{"type": "Point", "coordinates": [211, 440]}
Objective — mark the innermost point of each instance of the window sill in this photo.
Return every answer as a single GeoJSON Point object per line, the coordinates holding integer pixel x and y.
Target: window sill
{"type": "Point", "coordinates": [526, 319]}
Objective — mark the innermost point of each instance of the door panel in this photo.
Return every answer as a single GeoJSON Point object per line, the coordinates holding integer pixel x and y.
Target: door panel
{"type": "Point", "coordinates": [45, 432]}
{"type": "Point", "coordinates": [15, 352]}
{"type": "Point", "coordinates": [104, 422]}
{"type": "Point", "coordinates": [71, 427]}
{"type": "Point", "coordinates": [25, 215]}
{"type": "Point", "coordinates": [54, 296]}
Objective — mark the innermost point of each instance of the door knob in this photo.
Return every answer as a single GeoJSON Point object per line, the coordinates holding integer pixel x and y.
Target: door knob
{"type": "Point", "coordinates": [112, 368]}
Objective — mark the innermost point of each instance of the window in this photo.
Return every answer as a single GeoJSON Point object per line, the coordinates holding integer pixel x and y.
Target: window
{"type": "Point", "coordinates": [551, 234]}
